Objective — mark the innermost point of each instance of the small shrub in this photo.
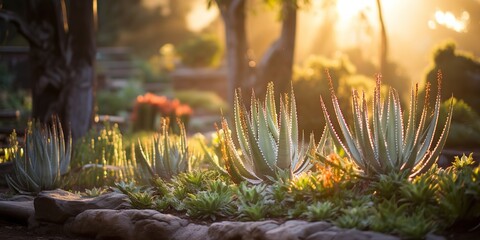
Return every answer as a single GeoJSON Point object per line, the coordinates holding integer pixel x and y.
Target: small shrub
{"type": "Point", "coordinates": [465, 128]}
{"type": "Point", "coordinates": [100, 159]}
{"type": "Point", "coordinates": [201, 51]}
{"type": "Point", "coordinates": [114, 103]}
{"type": "Point", "coordinates": [203, 101]}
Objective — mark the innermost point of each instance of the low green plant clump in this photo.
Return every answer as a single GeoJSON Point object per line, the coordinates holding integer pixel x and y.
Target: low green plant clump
{"type": "Point", "coordinates": [100, 159]}
{"type": "Point", "coordinates": [431, 202]}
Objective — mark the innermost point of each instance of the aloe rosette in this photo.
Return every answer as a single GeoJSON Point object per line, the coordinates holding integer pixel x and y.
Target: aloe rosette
{"type": "Point", "coordinates": [167, 156]}
{"type": "Point", "coordinates": [269, 142]}
{"type": "Point", "coordinates": [383, 145]}
{"type": "Point", "coordinates": [46, 158]}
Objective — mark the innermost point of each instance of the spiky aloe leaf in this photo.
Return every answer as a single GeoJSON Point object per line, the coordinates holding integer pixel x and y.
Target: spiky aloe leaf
{"type": "Point", "coordinates": [284, 159]}
{"type": "Point", "coordinates": [271, 111]}
{"type": "Point", "coordinates": [266, 142]}
{"type": "Point", "coordinates": [234, 165]}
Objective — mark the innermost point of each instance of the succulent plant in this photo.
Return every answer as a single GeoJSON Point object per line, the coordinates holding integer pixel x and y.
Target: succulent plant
{"type": "Point", "coordinates": [217, 202]}
{"type": "Point", "coordinates": [269, 143]}
{"type": "Point", "coordinates": [383, 145]}
{"type": "Point", "coordinates": [46, 158]}
{"type": "Point", "coordinates": [320, 211]}
{"type": "Point", "coordinates": [253, 201]}
{"type": "Point", "coordinates": [142, 199]}
{"type": "Point", "coordinates": [459, 191]}
{"type": "Point", "coordinates": [94, 192]}
{"type": "Point", "coordinates": [167, 156]}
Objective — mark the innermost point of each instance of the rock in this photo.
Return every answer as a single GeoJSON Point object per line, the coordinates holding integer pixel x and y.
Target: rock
{"type": "Point", "coordinates": [295, 230]}
{"type": "Point", "coordinates": [228, 230]}
{"type": "Point", "coordinates": [380, 236]}
{"type": "Point", "coordinates": [326, 235]}
{"type": "Point", "coordinates": [259, 229]}
{"type": "Point", "coordinates": [432, 236]}
{"type": "Point", "coordinates": [132, 224]}
{"type": "Point", "coordinates": [240, 230]}
{"type": "Point", "coordinates": [17, 211]}
{"type": "Point", "coordinates": [352, 234]}
{"type": "Point", "coordinates": [191, 232]}
{"type": "Point", "coordinates": [57, 206]}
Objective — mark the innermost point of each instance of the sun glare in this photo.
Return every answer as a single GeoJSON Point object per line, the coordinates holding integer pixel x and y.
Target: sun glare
{"type": "Point", "coordinates": [450, 21]}
{"type": "Point", "coordinates": [200, 17]}
{"type": "Point", "coordinates": [349, 9]}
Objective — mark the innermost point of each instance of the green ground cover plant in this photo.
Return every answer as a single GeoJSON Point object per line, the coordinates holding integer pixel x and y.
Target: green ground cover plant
{"type": "Point", "coordinates": [431, 202]}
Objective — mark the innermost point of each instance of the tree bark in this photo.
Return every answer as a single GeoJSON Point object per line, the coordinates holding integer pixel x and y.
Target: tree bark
{"type": "Point", "coordinates": [276, 64]}
{"type": "Point", "coordinates": [79, 105]}
{"type": "Point", "coordinates": [238, 72]}
{"type": "Point", "coordinates": [62, 57]}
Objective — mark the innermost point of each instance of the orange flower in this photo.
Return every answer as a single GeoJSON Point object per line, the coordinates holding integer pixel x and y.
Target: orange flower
{"type": "Point", "coordinates": [183, 110]}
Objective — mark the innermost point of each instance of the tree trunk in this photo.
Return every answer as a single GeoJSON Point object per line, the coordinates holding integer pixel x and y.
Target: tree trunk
{"type": "Point", "coordinates": [48, 59]}
{"type": "Point", "coordinates": [62, 57]}
{"type": "Point", "coordinates": [384, 41]}
{"type": "Point", "coordinates": [276, 64]}
{"type": "Point", "coordinates": [79, 106]}
{"type": "Point", "coordinates": [238, 72]}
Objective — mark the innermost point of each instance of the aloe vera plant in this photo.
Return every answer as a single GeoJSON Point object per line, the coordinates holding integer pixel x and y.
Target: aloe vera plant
{"type": "Point", "coordinates": [167, 156]}
{"type": "Point", "coordinates": [383, 145]}
{"type": "Point", "coordinates": [46, 158]}
{"type": "Point", "coordinates": [269, 143]}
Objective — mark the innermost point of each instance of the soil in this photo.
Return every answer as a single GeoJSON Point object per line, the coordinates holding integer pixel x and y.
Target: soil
{"type": "Point", "coordinates": [13, 231]}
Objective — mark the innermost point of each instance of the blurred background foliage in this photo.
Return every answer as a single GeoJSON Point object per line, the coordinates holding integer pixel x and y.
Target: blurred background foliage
{"type": "Point", "coordinates": [164, 36]}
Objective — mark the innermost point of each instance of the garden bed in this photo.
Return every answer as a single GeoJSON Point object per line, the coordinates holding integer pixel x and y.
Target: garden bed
{"type": "Point", "coordinates": [59, 213]}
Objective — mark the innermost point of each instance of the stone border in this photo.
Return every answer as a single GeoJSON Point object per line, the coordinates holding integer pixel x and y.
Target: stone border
{"type": "Point", "coordinates": [109, 217]}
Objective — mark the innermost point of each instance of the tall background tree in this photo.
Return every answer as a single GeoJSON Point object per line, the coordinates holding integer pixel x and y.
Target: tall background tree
{"type": "Point", "coordinates": [276, 64]}
{"type": "Point", "coordinates": [384, 40]}
{"type": "Point", "coordinates": [62, 59]}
